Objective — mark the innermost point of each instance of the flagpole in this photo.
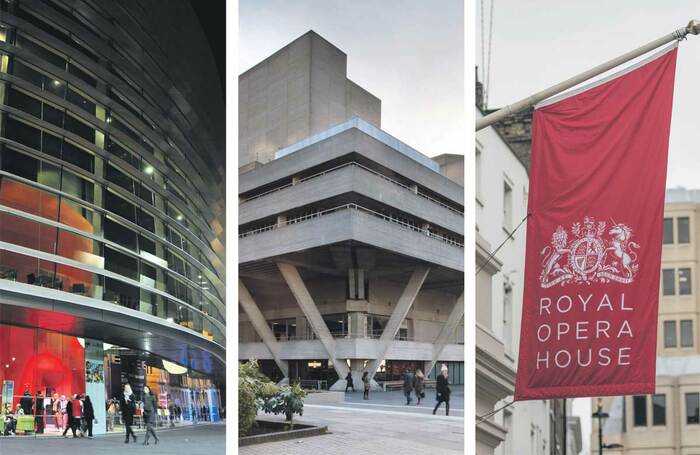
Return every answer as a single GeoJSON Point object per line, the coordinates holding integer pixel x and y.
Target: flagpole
{"type": "Point", "coordinates": [693, 28]}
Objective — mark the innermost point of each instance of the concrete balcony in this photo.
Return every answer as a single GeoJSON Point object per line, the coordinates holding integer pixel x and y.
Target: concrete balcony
{"type": "Point", "coordinates": [345, 142]}
{"type": "Point", "coordinates": [351, 178]}
{"type": "Point", "coordinates": [350, 223]}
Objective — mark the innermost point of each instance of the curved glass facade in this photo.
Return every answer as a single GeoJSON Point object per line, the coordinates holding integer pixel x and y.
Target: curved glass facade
{"type": "Point", "coordinates": [105, 188]}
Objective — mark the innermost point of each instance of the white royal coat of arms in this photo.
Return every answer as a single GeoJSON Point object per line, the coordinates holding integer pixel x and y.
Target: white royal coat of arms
{"type": "Point", "coordinates": [590, 257]}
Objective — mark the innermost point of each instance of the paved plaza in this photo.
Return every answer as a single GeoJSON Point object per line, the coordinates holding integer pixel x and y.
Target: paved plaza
{"type": "Point", "coordinates": [202, 439]}
{"type": "Point", "coordinates": [384, 424]}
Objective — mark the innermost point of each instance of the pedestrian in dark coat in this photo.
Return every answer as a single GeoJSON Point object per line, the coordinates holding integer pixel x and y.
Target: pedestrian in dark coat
{"type": "Point", "coordinates": [150, 412]}
{"type": "Point", "coordinates": [442, 390]}
{"type": "Point", "coordinates": [88, 415]}
{"type": "Point", "coordinates": [348, 382]}
{"type": "Point", "coordinates": [39, 416]}
{"type": "Point", "coordinates": [408, 383]}
{"type": "Point", "coordinates": [69, 419]}
{"type": "Point", "coordinates": [128, 407]}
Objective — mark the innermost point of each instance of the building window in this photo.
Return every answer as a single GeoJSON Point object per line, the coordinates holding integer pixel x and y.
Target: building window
{"type": "Point", "coordinates": [684, 282]}
{"type": "Point", "coordinates": [668, 231]}
{"type": "Point", "coordinates": [684, 230]}
{"type": "Point", "coordinates": [687, 334]}
{"type": "Point", "coordinates": [670, 340]}
{"type": "Point", "coordinates": [639, 403]}
{"type": "Point", "coordinates": [658, 403]}
{"type": "Point", "coordinates": [669, 282]}
{"type": "Point", "coordinates": [692, 408]}
{"type": "Point", "coordinates": [507, 206]}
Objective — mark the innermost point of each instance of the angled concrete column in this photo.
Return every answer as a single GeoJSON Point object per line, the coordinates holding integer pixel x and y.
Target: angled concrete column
{"type": "Point", "coordinates": [447, 330]}
{"type": "Point", "coordinates": [308, 307]}
{"type": "Point", "coordinates": [398, 315]}
{"type": "Point", "coordinates": [260, 326]}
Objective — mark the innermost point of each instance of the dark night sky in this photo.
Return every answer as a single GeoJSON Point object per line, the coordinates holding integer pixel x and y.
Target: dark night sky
{"type": "Point", "coordinates": [212, 17]}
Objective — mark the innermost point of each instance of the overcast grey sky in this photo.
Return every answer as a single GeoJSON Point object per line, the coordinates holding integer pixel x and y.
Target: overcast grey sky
{"type": "Point", "coordinates": [409, 53]}
{"type": "Point", "coordinates": [538, 43]}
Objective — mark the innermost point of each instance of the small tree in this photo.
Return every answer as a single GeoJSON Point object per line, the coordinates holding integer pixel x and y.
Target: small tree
{"type": "Point", "coordinates": [289, 400]}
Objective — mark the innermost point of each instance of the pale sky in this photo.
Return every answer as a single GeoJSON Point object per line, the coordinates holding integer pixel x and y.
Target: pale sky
{"type": "Point", "coordinates": [538, 43]}
{"type": "Point", "coordinates": [408, 53]}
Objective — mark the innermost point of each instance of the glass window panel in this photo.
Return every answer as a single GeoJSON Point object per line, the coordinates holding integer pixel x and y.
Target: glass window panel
{"type": "Point", "coordinates": [77, 186]}
{"type": "Point", "coordinates": [83, 130]}
{"type": "Point", "coordinates": [81, 74]}
{"type": "Point", "coordinates": [640, 410]}
{"type": "Point", "coordinates": [670, 339]}
{"type": "Point", "coordinates": [27, 233]}
{"type": "Point", "coordinates": [23, 102]}
{"type": "Point", "coordinates": [692, 408]}
{"type": "Point", "coordinates": [121, 152]}
{"type": "Point", "coordinates": [121, 126]}
{"type": "Point", "coordinates": [115, 175]}
{"type": "Point", "coordinates": [146, 220]}
{"type": "Point", "coordinates": [121, 293]}
{"type": "Point", "coordinates": [50, 144]}
{"type": "Point", "coordinates": [659, 409]}
{"type": "Point", "coordinates": [22, 133]}
{"type": "Point", "coordinates": [144, 193]}
{"type": "Point", "coordinates": [78, 156]}
{"type": "Point", "coordinates": [28, 199]}
{"type": "Point", "coordinates": [40, 51]}
{"type": "Point", "coordinates": [687, 334]}
{"type": "Point", "coordinates": [684, 229]}
{"type": "Point", "coordinates": [53, 115]}
{"type": "Point", "coordinates": [684, 282]}
{"type": "Point", "coordinates": [77, 215]}
{"type": "Point", "coordinates": [668, 230]}
{"type": "Point", "coordinates": [121, 263]}
{"type": "Point", "coordinates": [78, 248]}
{"type": "Point", "coordinates": [119, 234]}
{"type": "Point", "coordinates": [119, 206]}
{"type": "Point", "coordinates": [669, 282]}
{"type": "Point", "coordinates": [49, 175]}
{"type": "Point", "coordinates": [20, 164]}
{"type": "Point", "coordinates": [146, 244]}
{"type": "Point", "coordinates": [80, 100]}
{"type": "Point", "coordinates": [27, 73]}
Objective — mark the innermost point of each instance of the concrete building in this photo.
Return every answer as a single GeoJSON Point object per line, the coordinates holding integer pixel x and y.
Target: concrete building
{"type": "Point", "coordinates": [111, 203]}
{"type": "Point", "coordinates": [531, 427]}
{"type": "Point", "coordinates": [668, 422]}
{"type": "Point", "coordinates": [350, 241]}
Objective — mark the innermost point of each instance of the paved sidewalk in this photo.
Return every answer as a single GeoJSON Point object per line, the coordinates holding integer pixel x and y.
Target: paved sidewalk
{"type": "Point", "coordinates": [373, 428]}
{"type": "Point", "coordinates": [202, 439]}
{"type": "Point", "coordinates": [396, 401]}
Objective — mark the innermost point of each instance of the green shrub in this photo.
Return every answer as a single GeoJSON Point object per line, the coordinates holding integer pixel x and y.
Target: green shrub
{"type": "Point", "coordinates": [247, 408]}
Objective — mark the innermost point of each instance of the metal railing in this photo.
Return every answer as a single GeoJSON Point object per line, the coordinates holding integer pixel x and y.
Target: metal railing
{"type": "Point", "coordinates": [356, 164]}
{"type": "Point", "coordinates": [321, 213]}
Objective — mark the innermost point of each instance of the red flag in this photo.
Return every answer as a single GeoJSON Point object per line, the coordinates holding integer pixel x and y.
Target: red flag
{"type": "Point", "coordinates": [593, 253]}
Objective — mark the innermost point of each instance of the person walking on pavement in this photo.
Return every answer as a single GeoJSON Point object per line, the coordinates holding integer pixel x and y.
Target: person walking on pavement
{"type": "Point", "coordinates": [171, 414]}
{"type": "Point", "coordinates": [111, 414]}
{"type": "Point", "coordinates": [67, 412]}
{"type": "Point", "coordinates": [128, 406]}
{"type": "Point", "coordinates": [348, 382]}
{"type": "Point", "coordinates": [150, 411]}
{"type": "Point", "coordinates": [408, 380]}
{"type": "Point", "coordinates": [418, 385]}
{"type": "Point", "coordinates": [365, 382]}
{"type": "Point", "coordinates": [442, 390]}
{"type": "Point", "coordinates": [88, 415]}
